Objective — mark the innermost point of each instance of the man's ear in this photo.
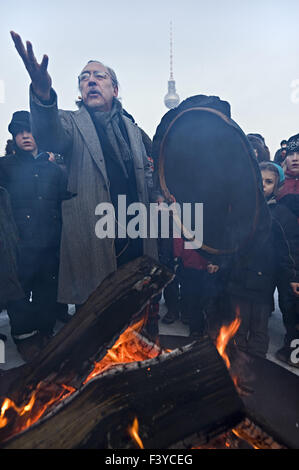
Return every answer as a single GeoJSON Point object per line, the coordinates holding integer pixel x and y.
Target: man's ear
{"type": "Point", "coordinates": [116, 91]}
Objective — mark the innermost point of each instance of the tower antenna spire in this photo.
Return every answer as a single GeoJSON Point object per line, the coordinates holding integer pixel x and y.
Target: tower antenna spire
{"type": "Point", "coordinates": [171, 53]}
{"type": "Point", "coordinates": [172, 99]}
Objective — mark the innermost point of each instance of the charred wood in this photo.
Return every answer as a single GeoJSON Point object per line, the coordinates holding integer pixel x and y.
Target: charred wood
{"type": "Point", "coordinates": [69, 357]}
{"type": "Point", "coordinates": [186, 392]}
{"type": "Point", "coordinates": [256, 436]}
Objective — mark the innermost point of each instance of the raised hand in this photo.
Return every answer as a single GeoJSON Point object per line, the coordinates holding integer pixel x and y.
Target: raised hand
{"type": "Point", "coordinates": [41, 80]}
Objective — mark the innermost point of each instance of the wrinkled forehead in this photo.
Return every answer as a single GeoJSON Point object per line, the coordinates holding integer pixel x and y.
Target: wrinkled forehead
{"type": "Point", "coordinates": [93, 66]}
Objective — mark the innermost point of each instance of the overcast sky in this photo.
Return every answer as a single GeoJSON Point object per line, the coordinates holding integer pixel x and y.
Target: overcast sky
{"type": "Point", "coordinates": [244, 51]}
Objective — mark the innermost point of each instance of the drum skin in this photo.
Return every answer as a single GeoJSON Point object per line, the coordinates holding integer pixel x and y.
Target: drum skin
{"type": "Point", "coordinates": [204, 157]}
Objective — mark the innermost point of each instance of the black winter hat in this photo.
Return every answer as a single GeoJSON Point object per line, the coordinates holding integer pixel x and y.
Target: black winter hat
{"type": "Point", "coordinates": [293, 144]}
{"type": "Point", "coordinates": [20, 122]}
{"type": "Point", "coordinates": [257, 136]}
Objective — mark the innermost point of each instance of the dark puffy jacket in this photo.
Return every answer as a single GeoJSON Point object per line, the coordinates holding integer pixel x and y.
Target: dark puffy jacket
{"type": "Point", "coordinates": [10, 288]}
{"type": "Point", "coordinates": [254, 274]}
{"type": "Point", "coordinates": [36, 188]}
{"type": "Point", "coordinates": [290, 227]}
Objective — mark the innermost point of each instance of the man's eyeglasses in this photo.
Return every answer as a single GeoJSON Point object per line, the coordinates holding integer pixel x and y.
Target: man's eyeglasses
{"type": "Point", "coordinates": [84, 76]}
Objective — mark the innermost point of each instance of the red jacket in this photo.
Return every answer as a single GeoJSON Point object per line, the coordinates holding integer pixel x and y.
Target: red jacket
{"type": "Point", "coordinates": [291, 185]}
{"type": "Point", "coordinates": [190, 258]}
{"type": "Point", "coordinates": [289, 193]}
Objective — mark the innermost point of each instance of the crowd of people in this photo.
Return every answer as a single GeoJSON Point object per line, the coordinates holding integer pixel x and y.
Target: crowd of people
{"type": "Point", "coordinates": [247, 284]}
{"type": "Point", "coordinates": [59, 165]}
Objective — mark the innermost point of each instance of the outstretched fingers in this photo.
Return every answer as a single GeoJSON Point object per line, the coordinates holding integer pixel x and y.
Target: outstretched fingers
{"type": "Point", "coordinates": [40, 78]}
{"type": "Point", "coordinates": [30, 55]}
{"type": "Point", "coordinates": [44, 63]}
{"type": "Point", "coordinates": [19, 45]}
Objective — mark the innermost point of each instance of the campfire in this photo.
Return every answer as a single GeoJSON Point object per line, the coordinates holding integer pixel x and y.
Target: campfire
{"type": "Point", "coordinates": [133, 393]}
{"type": "Point", "coordinates": [130, 347]}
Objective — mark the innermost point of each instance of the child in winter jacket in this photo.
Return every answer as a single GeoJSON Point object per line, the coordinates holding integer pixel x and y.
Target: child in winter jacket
{"type": "Point", "coordinates": [273, 179]}
{"type": "Point", "coordinates": [252, 282]}
{"type": "Point", "coordinates": [198, 279]}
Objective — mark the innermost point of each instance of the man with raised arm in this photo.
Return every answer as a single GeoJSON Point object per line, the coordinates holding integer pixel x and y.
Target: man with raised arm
{"type": "Point", "coordinates": [105, 157]}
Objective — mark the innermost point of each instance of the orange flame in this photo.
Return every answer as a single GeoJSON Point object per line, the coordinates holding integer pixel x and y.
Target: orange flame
{"type": "Point", "coordinates": [133, 431]}
{"type": "Point", "coordinates": [225, 335]}
{"type": "Point", "coordinates": [34, 409]}
{"type": "Point", "coordinates": [128, 348]}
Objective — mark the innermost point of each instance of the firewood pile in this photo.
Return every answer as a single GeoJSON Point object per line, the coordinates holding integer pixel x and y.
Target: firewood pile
{"type": "Point", "coordinates": [100, 384]}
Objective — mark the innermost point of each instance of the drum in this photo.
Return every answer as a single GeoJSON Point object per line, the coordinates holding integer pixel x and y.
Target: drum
{"type": "Point", "coordinates": [202, 156]}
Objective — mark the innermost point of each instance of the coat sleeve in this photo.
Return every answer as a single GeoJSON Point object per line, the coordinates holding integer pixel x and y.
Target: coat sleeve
{"type": "Point", "coordinates": [2, 177]}
{"type": "Point", "coordinates": [152, 182]}
{"type": "Point", "coordinates": [64, 194]}
{"type": "Point", "coordinates": [290, 226]}
{"type": "Point", "coordinates": [285, 261]}
{"type": "Point", "coordinates": [148, 171]}
{"type": "Point", "coordinates": [52, 129]}
{"type": "Point", "coordinates": [3, 172]}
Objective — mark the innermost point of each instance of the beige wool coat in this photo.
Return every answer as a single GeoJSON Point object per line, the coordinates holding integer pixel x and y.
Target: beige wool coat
{"type": "Point", "coordinates": [85, 260]}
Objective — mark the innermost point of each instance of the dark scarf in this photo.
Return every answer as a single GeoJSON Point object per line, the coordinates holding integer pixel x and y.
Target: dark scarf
{"type": "Point", "coordinates": [111, 122]}
{"type": "Point", "coordinates": [115, 145]}
{"type": "Point", "coordinates": [23, 154]}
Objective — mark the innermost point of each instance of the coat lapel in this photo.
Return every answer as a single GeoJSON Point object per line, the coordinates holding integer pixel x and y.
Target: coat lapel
{"type": "Point", "coordinates": [88, 131]}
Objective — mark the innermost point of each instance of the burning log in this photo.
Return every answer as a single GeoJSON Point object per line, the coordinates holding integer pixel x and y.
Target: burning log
{"type": "Point", "coordinates": [176, 395]}
{"type": "Point", "coordinates": [256, 436]}
{"type": "Point", "coordinates": [274, 405]}
{"type": "Point", "coordinates": [69, 357]}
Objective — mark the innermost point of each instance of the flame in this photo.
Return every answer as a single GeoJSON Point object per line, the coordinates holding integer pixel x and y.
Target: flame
{"type": "Point", "coordinates": [225, 335]}
{"type": "Point", "coordinates": [133, 431]}
{"type": "Point", "coordinates": [31, 412]}
{"type": "Point", "coordinates": [129, 348]}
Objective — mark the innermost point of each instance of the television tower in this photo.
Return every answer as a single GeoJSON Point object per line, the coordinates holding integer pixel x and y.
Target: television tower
{"type": "Point", "coordinates": [172, 99]}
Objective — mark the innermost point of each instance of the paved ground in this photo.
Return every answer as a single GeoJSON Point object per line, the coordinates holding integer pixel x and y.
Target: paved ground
{"type": "Point", "coordinates": [13, 359]}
